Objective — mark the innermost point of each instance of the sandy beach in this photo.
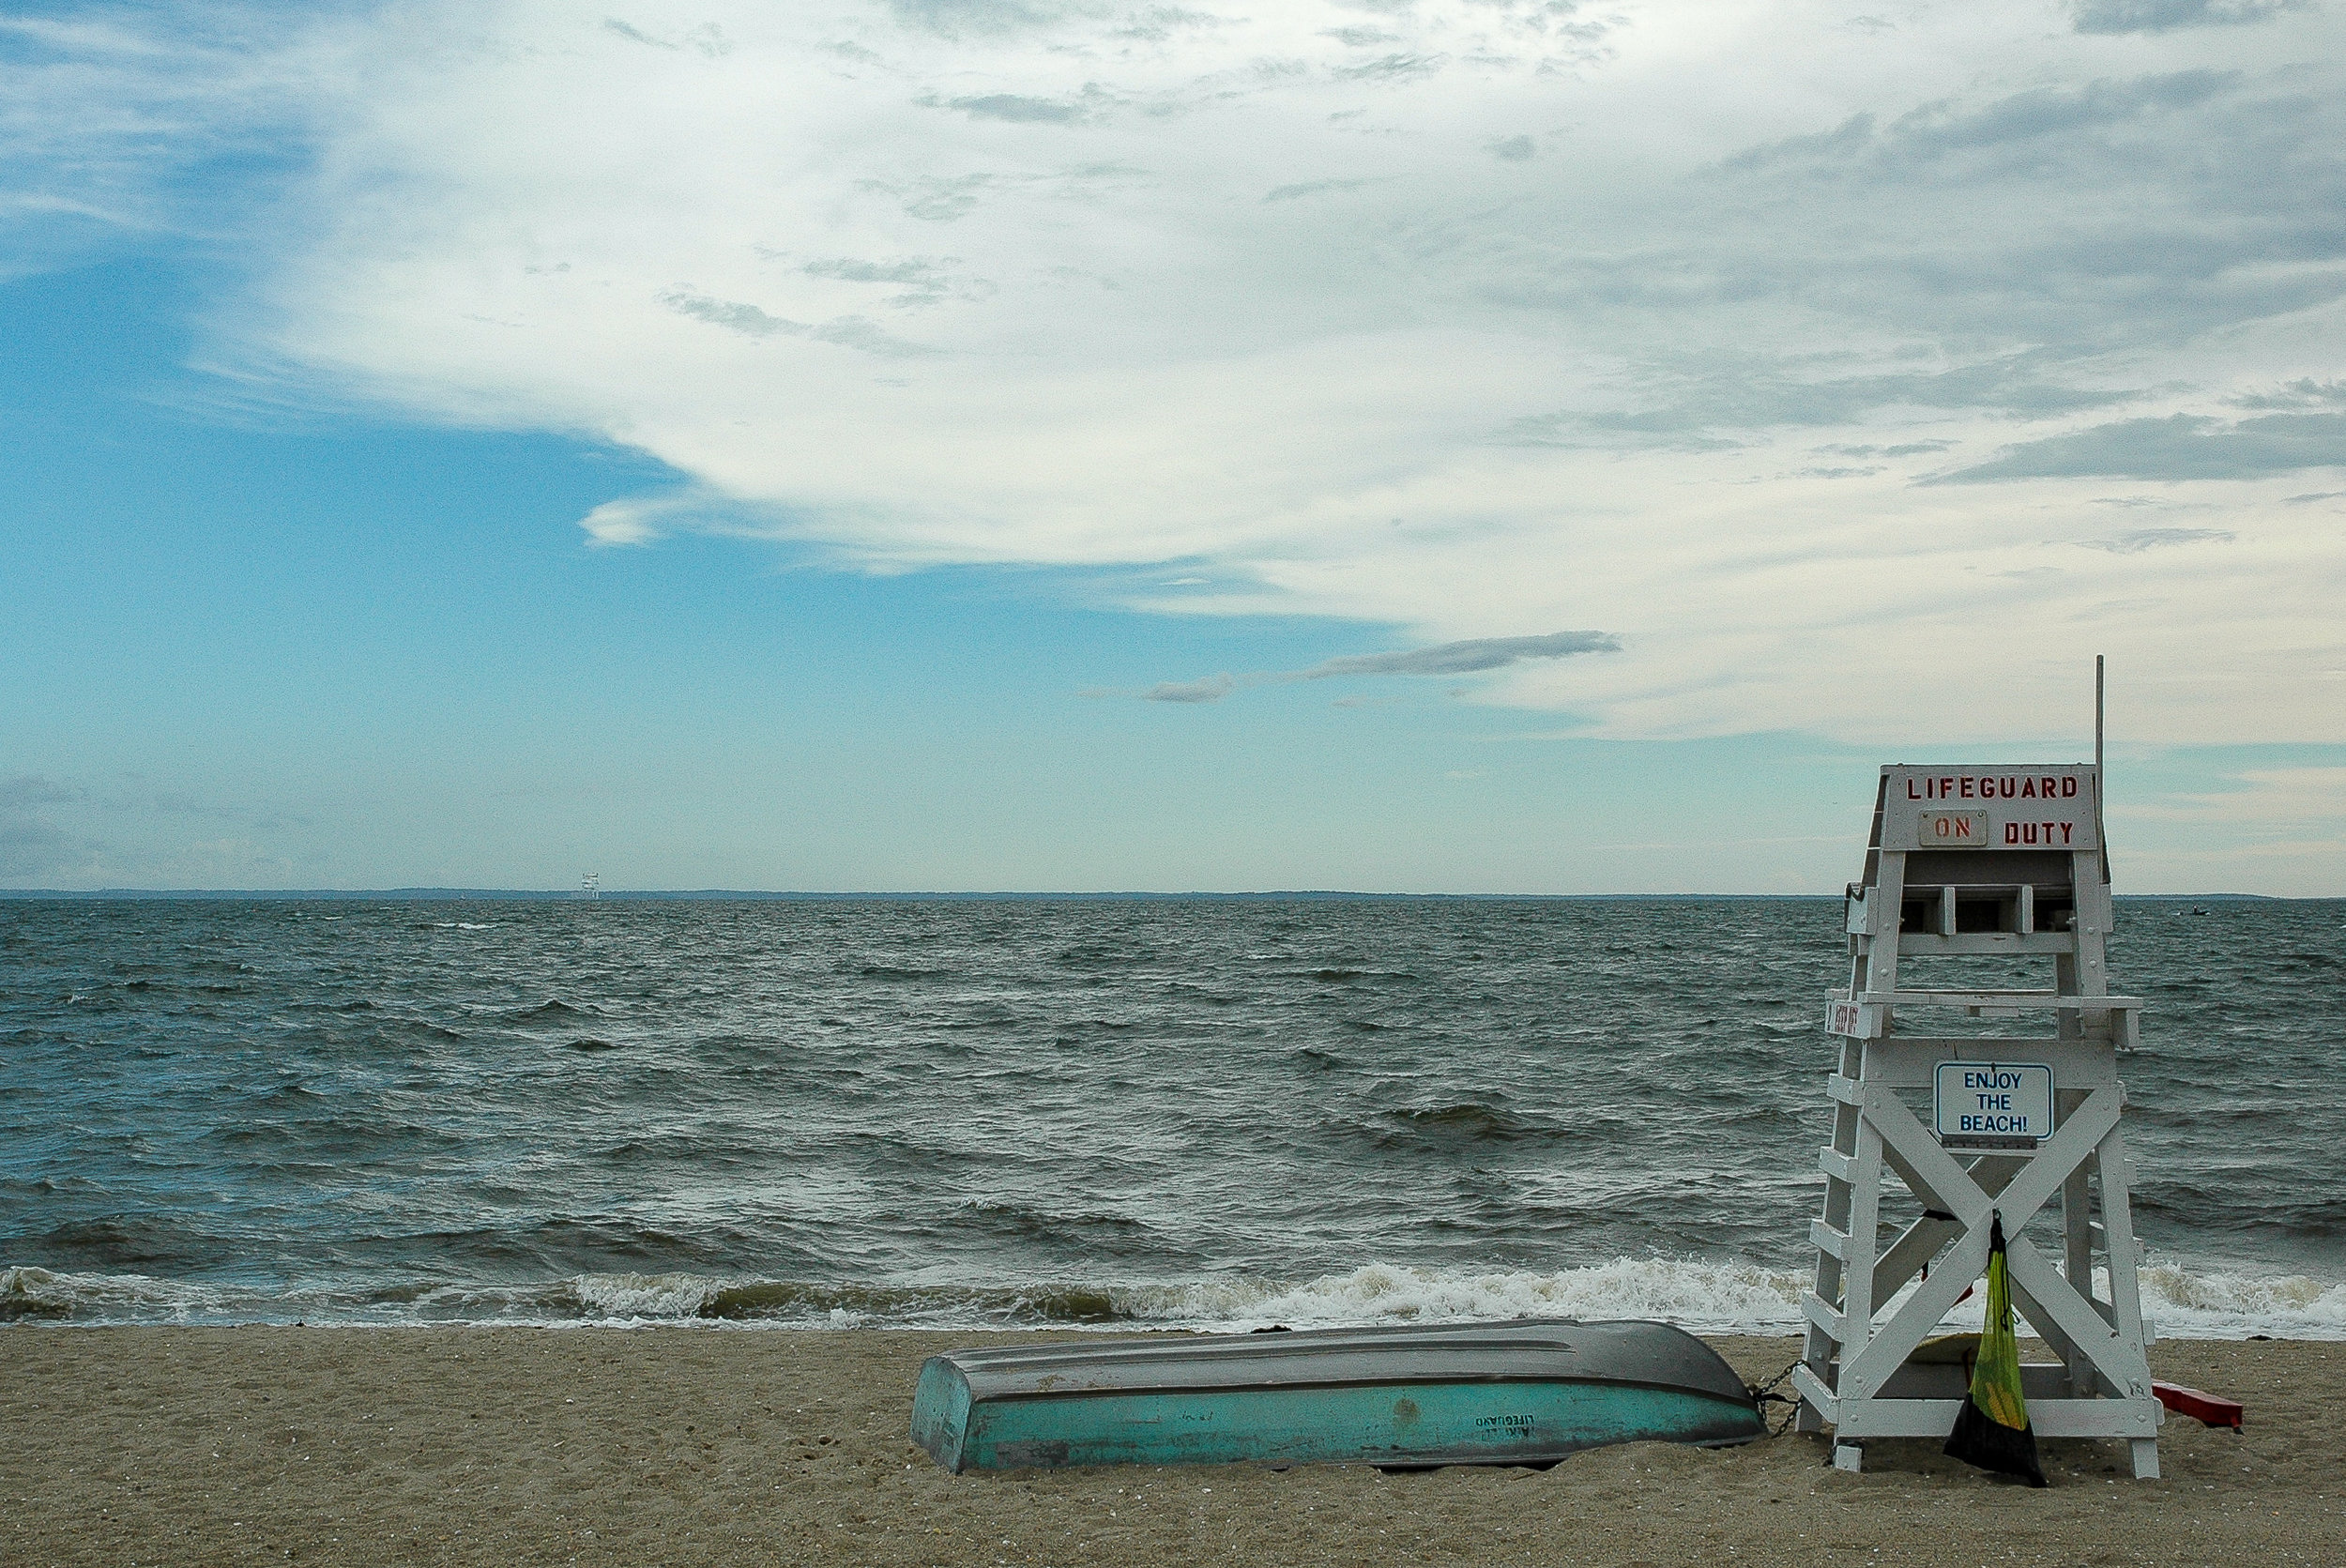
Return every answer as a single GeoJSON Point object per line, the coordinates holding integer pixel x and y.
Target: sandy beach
{"type": "Point", "coordinates": [471, 1445]}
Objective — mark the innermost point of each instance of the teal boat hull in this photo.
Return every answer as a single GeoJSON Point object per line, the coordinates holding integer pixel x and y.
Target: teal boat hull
{"type": "Point", "coordinates": [1525, 1392]}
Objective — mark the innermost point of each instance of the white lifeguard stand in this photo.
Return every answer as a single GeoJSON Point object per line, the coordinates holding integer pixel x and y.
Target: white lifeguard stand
{"type": "Point", "coordinates": [1979, 863]}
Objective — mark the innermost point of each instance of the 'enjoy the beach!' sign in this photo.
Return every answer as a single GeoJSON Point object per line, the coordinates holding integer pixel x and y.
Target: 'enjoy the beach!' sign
{"type": "Point", "coordinates": [1993, 1104]}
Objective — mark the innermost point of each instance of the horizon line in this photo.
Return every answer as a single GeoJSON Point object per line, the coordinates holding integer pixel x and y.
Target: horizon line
{"type": "Point", "coordinates": [558, 895]}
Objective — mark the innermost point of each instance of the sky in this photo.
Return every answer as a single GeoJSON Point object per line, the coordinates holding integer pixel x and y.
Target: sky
{"type": "Point", "coordinates": [1508, 446]}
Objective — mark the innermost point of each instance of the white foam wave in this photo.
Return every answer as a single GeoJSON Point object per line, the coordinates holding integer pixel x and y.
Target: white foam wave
{"type": "Point", "coordinates": [2220, 1305]}
{"type": "Point", "coordinates": [635, 1297]}
{"type": "Point", "coordinates": [35, 1293]}
{"type": "Point", "coordinates": [1717, 1296]}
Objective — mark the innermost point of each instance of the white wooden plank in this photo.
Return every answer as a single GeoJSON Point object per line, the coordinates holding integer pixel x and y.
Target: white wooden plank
{"type": "Point", "coordinates": [1881, 963]}
{"type": "Point", "coordinates": [2124, 1252]}
{"type": "Point", "coordinates": [1928, 1169]}
{"type": "Point", "coordinates": [2048, 1418]}
{"type": "Point", "coordinates": [1865, 1235]}
{"type": "Point", "coordinates": [2121, 1362]}
{"type": "Point", "coordinates": [2077, 1231]}
{"type": "Point", "coordinates": [1916, 1245]}
{"type": "Point", "coordinates": [2094, 1417]}
{"type": "Point", "coordinates": [2072, 1143]}
{"type": "Point", "coordinates": [1984, 943]}
{"type": "Point", "coordinates": [1902, 1062]}
{"type": "Point", "coordinates": [2059, 1002]}
{"type": "Point", "coordinates": [1815, 1397]}
{"type": "Point", "coordinates": [1895, 1418]}
{"type": "Point", "coordinates": [2048, 1327]}
{"type": "Point", "coordinates": [1893, 1339]}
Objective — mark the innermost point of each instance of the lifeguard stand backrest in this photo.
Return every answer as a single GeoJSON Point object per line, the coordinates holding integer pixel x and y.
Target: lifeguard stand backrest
{"type": "Point", "coordinates": [1987, 848]}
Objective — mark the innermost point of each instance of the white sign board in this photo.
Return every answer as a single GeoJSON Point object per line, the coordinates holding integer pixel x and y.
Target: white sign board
{"type": "Point", "coordinates": [1861, 1021]}
{"type": "Point", "coordinates": [1993, 1104]}
{"type": "Point", "coordinates": [1998, 807]}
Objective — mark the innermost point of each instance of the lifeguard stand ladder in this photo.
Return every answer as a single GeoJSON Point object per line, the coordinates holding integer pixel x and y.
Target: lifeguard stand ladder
{"type": "Point", "coordinates": [1979, 862]}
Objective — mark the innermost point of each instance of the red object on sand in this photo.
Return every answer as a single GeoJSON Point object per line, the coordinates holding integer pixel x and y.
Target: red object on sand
{"type": "Point", "coordinates": [2208, 1410]}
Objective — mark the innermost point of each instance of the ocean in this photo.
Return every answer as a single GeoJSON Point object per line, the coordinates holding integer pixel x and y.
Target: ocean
{"type": "Point", "coordinates": [1017, 1112]}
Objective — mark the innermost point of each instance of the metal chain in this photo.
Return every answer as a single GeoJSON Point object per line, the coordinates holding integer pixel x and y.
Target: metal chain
{"type": "Point", "coordinates": [1764, 1394]}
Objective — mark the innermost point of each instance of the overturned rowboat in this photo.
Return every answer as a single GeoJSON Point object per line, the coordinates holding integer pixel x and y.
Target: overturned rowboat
{"type": "Point", "coordinates": [1522, 1392]}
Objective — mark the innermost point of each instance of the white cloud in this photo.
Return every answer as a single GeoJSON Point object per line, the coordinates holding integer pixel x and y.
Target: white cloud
{"type": "Point", "coordinates": [2286, 800]}
{"type": "Point", "coordinates": [1105, 284]}
{"type": "Point", "coordinates": [626, 521]}
{"type": "Point", "coordinates": [2280, 831]}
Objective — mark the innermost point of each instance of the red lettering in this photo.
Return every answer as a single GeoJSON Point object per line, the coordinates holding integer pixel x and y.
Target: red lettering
{"type": "Point", "coordinates": [2064, 833]}
{"type": "Point", "coordinates": [1910, 791]}
{"type": "Point", "coordinates": [2011, 832]}
{"type": "Point", "coordinates": [2028, 790]}
{"type": "Point", "coordinates": [2010, 787]}
{"type": "Point", "coordinates": [1967, 786]}
{"type": "Point", "coordinates": [2068, 786]}
{"type": "Point", "coordinates": [1947, 788]}
{"type": "Point", "coordinates": [2049, 782]}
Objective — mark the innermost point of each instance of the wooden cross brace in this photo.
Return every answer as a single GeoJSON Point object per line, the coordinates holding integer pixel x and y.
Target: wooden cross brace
{"type": "Point", "coordinates": [2058, 1309]}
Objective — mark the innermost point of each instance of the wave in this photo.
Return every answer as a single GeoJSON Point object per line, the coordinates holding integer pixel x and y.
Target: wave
{"type": "Point", "coordinates": [550, 1012]}
{"type": "Point", "coordinates": [27, 1293]}
{"type": "Point", "coordinates": [1705, 1297]}
{"type": "Point", "coordinates": [903, 972]}
{"type": "Point", "coordinates": [1463, 1123]}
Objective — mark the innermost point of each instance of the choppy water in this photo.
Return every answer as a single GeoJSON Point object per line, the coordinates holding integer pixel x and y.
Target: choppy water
{"type": "Point", "coordinates": [969, 1112]}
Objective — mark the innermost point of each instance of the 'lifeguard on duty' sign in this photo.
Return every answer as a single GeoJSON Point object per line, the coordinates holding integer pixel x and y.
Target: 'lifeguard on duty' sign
{"type": "Point", "coordinates": [1990, 808]}
{"type": "Point", "coordinates": [1992, 1105]}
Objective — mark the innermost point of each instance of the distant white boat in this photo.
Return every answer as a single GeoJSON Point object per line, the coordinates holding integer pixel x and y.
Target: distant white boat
{"type": "Point", "coordinates": [591, 885]}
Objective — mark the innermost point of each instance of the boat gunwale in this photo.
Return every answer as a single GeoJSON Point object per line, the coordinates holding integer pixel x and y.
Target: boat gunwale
{"type": "Point", "coordinates": [1727, 1400]}
{"type": "Point", "coordinates": [1419, 1337]}
{"type": "Point", "coordinates": [1252, 1361]}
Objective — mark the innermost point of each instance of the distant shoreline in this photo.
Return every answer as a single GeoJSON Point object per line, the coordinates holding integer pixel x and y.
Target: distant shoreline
{"type": "Point", "coordinates": [717, 895]}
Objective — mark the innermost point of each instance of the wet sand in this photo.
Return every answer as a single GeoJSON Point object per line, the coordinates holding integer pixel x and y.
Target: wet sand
{"type": "Point", "coordinates": [493, 1446]}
